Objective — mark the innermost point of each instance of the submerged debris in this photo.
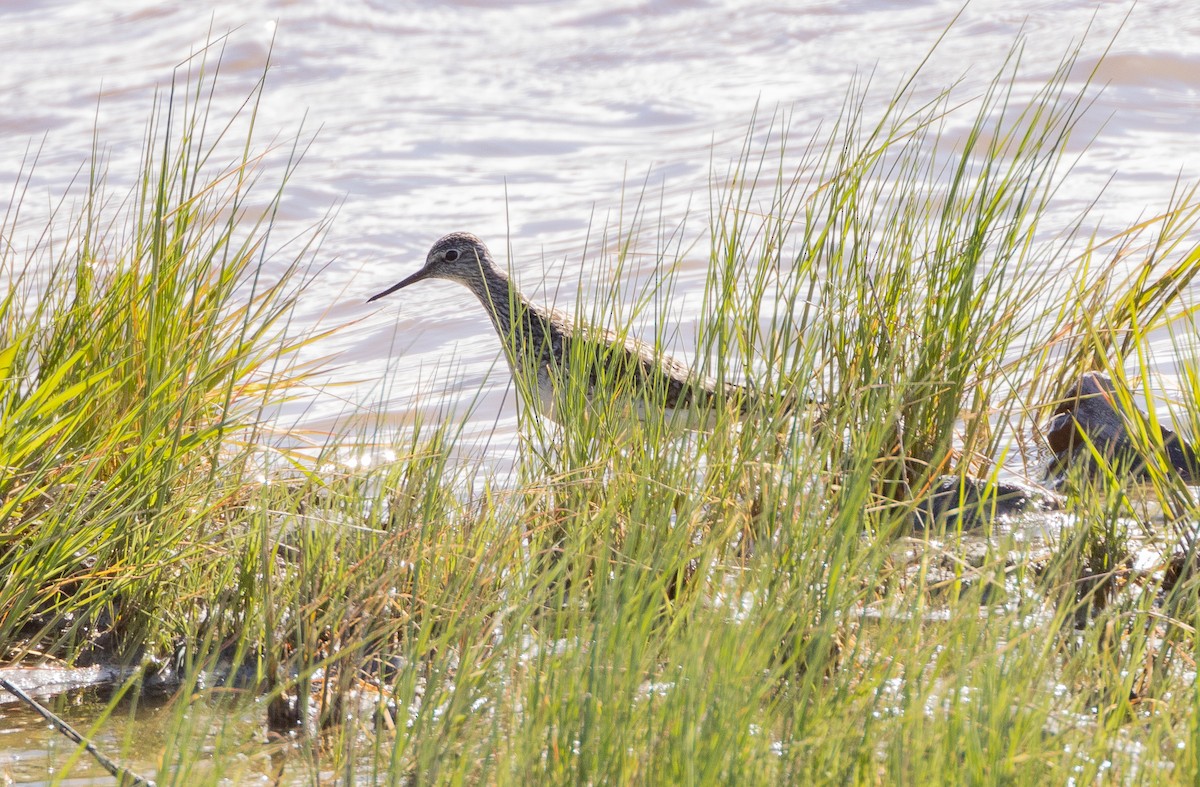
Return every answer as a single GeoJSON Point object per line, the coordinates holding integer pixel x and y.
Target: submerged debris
{"type": "Point", "coordinates": [973, 502]}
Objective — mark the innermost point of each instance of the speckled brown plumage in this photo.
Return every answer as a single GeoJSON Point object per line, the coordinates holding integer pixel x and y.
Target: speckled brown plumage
{"type": "Point", "coordinates": [541, 339]}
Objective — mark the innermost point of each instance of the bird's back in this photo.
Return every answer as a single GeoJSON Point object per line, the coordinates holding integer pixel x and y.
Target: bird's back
{"type": "Point", "coordinates": [601, 360]}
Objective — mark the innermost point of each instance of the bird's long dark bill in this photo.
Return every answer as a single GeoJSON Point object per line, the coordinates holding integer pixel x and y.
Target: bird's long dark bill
{"type": "Point", "coordinates": [414, 278]}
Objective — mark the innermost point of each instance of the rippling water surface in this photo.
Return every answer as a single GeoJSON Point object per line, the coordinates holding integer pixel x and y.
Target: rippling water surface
{"type": "Point", "coordinates": [526, 125]}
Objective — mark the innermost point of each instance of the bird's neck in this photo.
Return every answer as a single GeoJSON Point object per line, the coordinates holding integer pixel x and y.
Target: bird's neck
{"type": "Point", "coordinates": [511, 313]}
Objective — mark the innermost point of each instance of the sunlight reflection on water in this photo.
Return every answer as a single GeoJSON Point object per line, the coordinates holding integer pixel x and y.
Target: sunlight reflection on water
{"type": "Point", "coordinates": [526, 125]}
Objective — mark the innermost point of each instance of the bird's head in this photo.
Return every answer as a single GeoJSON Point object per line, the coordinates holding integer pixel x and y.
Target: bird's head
{"type": "Point", "coordinates": [459, 256]}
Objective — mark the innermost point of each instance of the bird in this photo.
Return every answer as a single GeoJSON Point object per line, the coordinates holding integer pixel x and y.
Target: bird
{"type": "Point", "coordinates": [543, 341]}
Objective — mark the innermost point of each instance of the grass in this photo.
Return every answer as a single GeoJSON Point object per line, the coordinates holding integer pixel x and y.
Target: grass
{"type": "Point", "coordinates": [748, 603]}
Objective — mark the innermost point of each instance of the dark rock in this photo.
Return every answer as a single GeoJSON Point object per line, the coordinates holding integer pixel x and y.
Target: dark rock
{"type": "Point", "coordinates": [1092, 408]}
{"type": "Point", "coordinates": [973, 502]}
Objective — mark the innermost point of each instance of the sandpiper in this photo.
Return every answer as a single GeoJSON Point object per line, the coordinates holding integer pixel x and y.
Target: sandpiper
{"type": "Point", "coordinates": [540, 340]}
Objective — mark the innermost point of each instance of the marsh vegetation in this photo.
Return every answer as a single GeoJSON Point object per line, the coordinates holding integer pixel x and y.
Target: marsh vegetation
{"type": "Point", "coordinates": [640, 603]}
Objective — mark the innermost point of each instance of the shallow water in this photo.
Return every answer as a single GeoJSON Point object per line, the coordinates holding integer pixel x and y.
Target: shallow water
{"type": "Point", "coordinates": [526, 124]}
{"type": "Point", "coordinates": [134, 736]}
{"type": "Point", "coordinates": [32, 752]}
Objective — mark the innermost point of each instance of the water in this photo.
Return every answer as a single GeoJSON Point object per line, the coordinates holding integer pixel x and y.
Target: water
{"type": "Point", "coordinates": [526, 125]}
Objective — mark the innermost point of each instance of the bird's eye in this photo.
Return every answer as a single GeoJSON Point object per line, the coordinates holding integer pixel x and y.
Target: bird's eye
{"type": "Point", "coordinates": [451, 255]}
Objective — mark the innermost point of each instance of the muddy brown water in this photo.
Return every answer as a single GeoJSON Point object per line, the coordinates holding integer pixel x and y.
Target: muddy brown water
{"type": "Point", "coordinates": [524, 124]}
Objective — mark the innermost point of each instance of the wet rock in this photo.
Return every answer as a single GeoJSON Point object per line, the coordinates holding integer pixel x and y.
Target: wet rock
{"type": "Point", "coordinates": [973, 502]}
{"type": "Point", "coordinates": [1092, 408]}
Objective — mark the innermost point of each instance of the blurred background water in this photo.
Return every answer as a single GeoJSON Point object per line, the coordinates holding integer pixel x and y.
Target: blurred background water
{"type": "Point", "coordinates": [536, 124]}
